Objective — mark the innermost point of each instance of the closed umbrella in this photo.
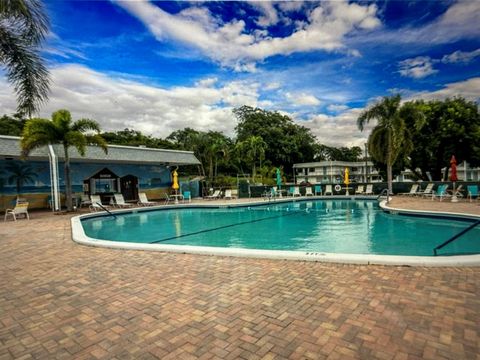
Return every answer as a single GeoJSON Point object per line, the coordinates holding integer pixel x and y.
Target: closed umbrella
{"type": "Point", "coordinates": [175, 185]}
{"type": "Point", "coordinates": [346, 181]}
{"type": "Point", "coordinates": [453, 176]}
{"type": "Point", "coordinates": [279, 180]}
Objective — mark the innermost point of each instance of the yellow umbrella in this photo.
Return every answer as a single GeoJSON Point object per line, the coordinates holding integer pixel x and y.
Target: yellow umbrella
{"type": "Point", "coordinates": [346, 180]}
{"type": "Point", "coordinates": [175, 180]}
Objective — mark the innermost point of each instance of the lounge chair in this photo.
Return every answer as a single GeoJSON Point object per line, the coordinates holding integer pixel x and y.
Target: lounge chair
{"type": "Point", "coordinates": [328, 190]}
{"type": "Point", "coordinates": [308, 191]}
{"type": "Point", "coordinates": [216, 195]}
{"type": "Point", "coordinates": [296, 191]}
{"type": "Point", "coordinates": [187, 195]}
{"type": "Point", "coordinates": [472, 192]}
{"type": "Point", "coordinates": [143, 200]}
{"type": "Point", "coordinates": [360, 190]}
{"type": "Point", "coordinates": [291, 190]}
{"type": "Point", "coordinates": [96, 204]}
{"type": "Point", "coordinates": [458, 191]}
{"type": "Point", "coordinates": [120, 201]}
{"type": "Point", "coordinates": [168, 198]}
{"type": "Point", "coordinates": [228, 194]}
{"type": "Point", "coordinates": [369, 189]}
{"type": "Point", "coordinates": [413, 190]}
{"type": "Point", "coordinates": [441, 192]}
{"type": "Point", "coordinates": [427, 192]}
{"type": "Point", "coordinates": [318, 189]}
{"type": "Point", "coordinates": [85, 200]}
{"type": "Point", "coordinates": [19, 209]}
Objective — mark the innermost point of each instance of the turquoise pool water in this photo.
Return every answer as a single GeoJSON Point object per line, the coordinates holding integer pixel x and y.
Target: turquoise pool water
{"type": "Point", "coordinates": [333, 226]}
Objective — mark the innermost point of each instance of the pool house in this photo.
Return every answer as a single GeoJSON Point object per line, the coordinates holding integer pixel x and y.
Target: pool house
{"type": "Point", "coordinates": [125, 169]}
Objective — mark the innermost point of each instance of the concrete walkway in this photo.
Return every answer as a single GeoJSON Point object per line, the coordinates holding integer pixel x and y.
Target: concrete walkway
{"type": "Point", "coordinates": [60, 300]}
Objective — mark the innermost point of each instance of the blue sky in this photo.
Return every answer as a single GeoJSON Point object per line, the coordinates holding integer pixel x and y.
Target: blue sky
{"type": "Point", "coordinates": [161, 66]}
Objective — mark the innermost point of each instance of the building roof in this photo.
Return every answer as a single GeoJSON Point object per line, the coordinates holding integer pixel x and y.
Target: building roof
{"type": "Point", "coordinates": [10, 147]}
{"type": "Point", "coordinates": [333, 163]}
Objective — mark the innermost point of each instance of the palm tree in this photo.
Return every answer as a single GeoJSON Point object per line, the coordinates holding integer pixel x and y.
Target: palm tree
{"type": "Point", "coordinates": [253, 148]}
{"type": "Point", "coordinates": [23, 26]}
{"type": "Point", "coordinates": [21, 173]}
{"type": "Point", "coordinates": [61, 130]}
{"type": "Point", "coordinates": [390, 137]}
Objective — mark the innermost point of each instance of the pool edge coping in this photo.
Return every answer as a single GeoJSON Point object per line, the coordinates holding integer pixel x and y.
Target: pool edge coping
{"type": "Point", "coordinates": [79, 236]}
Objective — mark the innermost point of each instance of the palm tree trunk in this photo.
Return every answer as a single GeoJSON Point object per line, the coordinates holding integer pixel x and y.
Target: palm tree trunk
{"type": "Point", "coordinates": [389, 163]}
{"type": "Point", "coordinates": [389, 178]}
{"type": "Point", "coordinates": [210, 168]}
{"type": "Point", "coordinates": [68, 180]}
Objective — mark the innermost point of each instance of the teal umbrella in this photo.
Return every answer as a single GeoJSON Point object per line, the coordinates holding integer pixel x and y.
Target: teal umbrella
{"type": "Point", "coordinates": [279, 178]}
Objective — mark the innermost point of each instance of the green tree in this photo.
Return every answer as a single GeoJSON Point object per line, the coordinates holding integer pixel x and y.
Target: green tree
{"type": "Point", "coordinates": [20, 174]}
{"type": "Point", "coordinates": [451, 127]}
{"type": "Point", "coordinates": [390, 136]}
{"type": "Point", "coordinates": [252, 150]}
{"type": "Point", "coordinates": [286, 142]}
{"type": "Point", "coordinates": [11, 125]}
{"type": "Point", "coordinates": [23, 26]}
{"type": "Point", "coordinates": [132, 137]}
{"type": "Point", "coordinates": [60, 130]}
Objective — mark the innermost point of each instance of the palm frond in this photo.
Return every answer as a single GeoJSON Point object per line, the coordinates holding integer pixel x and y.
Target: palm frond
{"type": "Point", "coordinates": [83, 125]}
{"type": "Point", "coordinates": [62, 120]}
{"type": "Point", "coordinates": [25, 70]}
{"type": "Point", "coordinates": [98, 140]}
{"type": "Point", "coordinates": [77, 140]}
{"type": "Point", "coordinates": [38, 133]}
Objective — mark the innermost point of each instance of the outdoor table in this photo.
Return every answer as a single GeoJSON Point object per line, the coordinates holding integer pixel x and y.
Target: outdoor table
{"type": "Point", "coordinates": [176, 197]}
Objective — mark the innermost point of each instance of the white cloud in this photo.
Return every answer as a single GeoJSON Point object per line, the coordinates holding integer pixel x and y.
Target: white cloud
{"type": "Point", "coordinates": [461, 56]}
{"type": "Point", "coordinates": [117, 103]}
{"type": "Point", "coordinates": [337, 107]}
{"type": "Point", "coordinates": [232, 45]}
{"type": "Point", "coordinates": [302, 99]}
{"type": "Point", "coordinates": [417, 68]}
{"type": "Point", "coordinates": [269, 13]}
{"type": "Point", "coordinates": [469, 89]}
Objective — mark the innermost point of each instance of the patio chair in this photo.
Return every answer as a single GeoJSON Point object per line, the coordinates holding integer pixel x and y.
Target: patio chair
{"type": "Point", "coordinates": [441, 192]}
{"type": "Point", "coordinates": [413, 190]}
{"type": "Point", "coordinates": [187, 195]}
{"type": "Point", "coordinates": [168, 198]}
{"type": "Point", "coordinates": [85, 200]}
{"type": "Point", "coordinates": [291, 190]}
{"type": "Point", "coordinates": [360, 190]}
{"type": "Point", "coordinates": [96, 204]}
{"type": "Point", "coordinates": [427, 192]}
{"type": "Point", "coordinates": [328, 190]}
{"type": "Point", "coordinates": [19, 209]}
{"type": "Point", "coordinates": [216, 195]}
{"type": "Point", "coordinates": [296, 191]}
{"type": "Point", "coordinates": [369, 189]}
{"type": "Point", "coordinates": [458, 191]}
{"type": "Point", "coordinates": [308, 191]}
{"type": "Point", "coordinates": [143, 200]}
{"type": "Point", "coordinates": [472, 192]}
{"type": "Point", "coordinates": [120, 201]}
{"type": "Point", "coordinates": [318, 189]}
{"type": "Point", "coordinates": [228, 194]}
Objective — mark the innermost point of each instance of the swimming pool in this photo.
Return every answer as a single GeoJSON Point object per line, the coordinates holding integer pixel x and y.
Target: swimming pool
{"type": "Point", "coordinates": [357, 227]}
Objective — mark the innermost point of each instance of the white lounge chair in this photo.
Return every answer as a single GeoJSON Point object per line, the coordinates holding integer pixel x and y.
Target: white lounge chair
{"type": "Point", "coordinates": [328, 190]}
{"type": "Point", "coordinates": [413, 190]}
{"type": "Point", "coordinates": [308, 191]}
{"type": "Point", "coordinates": [120, 201]}
{"type": "Point", "coordinates": [85, 200]}
{"type": "Point", "coordinates": [228, 194]}
{"type": "Point", "coordinates": [216, 195]}
{"type": "Point", "coordinates": [427, 192]}
{"type": "Point", "coordinates": [96, 204]}
{"type": "Point", "coordinates": [360, 190]}
{"type": "Point", "coordinates": [369, 189]}
{"type": "Point", "coordinates": [19, 209]}
{"type": "Point", "coordinates": [143, 200]}
{"type": "Point", "coordinates": [296, 191]}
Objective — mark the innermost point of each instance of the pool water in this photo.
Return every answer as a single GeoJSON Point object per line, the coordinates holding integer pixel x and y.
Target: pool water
{"type": "Point", "coordinates": [329, 226]}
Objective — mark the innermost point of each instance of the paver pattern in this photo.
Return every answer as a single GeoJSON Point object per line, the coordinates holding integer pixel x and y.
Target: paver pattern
{"type": "Point", "coordinates": [60, 300]}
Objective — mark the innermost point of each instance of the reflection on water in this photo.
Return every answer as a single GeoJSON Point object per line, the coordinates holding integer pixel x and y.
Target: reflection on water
{"type": "Point", "coordinates": [340, 226]}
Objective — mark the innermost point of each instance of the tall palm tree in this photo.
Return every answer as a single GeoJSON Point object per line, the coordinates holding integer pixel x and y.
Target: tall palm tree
{"type": "Point", "coordinates": [23, 26]}
{"type": "Point", "coordinates": [390, 136]}
{"type": "Point", "coordinates": [21, 173]}
{"type": "Point", "coordinates": [253, 148]}
{"type": "Point", "coordinates": [61, 130]}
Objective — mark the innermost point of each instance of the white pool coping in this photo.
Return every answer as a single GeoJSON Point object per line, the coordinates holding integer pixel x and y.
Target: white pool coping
{"type": "Point", "coordinates": [79, 236]}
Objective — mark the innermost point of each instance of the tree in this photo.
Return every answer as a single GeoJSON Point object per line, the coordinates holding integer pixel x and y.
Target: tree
{"type": "Point", "coordinates": [21, 174]}
{"type": "Point", "coordinates": [12, 126]}
{"type": "Point", "coordinates": [23, 27]}
{"type": "Point", "coordinates": [252, 149]}
{"type": "Point", "coordinates": [390, 136]}
{"type": "Point", "coordinates": [132, 137]}
{"type": "Point", "coordinates": [61, 130]}
{"type": "Point", "coordinates": [450, 127]}
{"type": "Point", "coordinates": [286, 142]}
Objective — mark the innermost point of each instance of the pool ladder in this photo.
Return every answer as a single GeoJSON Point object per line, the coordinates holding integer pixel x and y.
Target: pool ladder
{"type": "Point", "coordinates": [104, 208]}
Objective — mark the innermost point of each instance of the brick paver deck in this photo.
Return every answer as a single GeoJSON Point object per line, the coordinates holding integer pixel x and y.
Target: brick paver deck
{"type": "Point", "coordinates": [66, 301]}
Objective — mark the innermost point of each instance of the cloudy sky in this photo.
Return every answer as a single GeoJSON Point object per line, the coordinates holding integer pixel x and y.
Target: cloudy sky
{"type": "Point", "coordinates": [161, 66]}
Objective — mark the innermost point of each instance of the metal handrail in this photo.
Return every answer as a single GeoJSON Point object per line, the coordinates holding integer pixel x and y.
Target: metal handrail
{"type": "Point", "coordinates": [104, 208]}
{"type": "Point", "coordinates": [453, 238]}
